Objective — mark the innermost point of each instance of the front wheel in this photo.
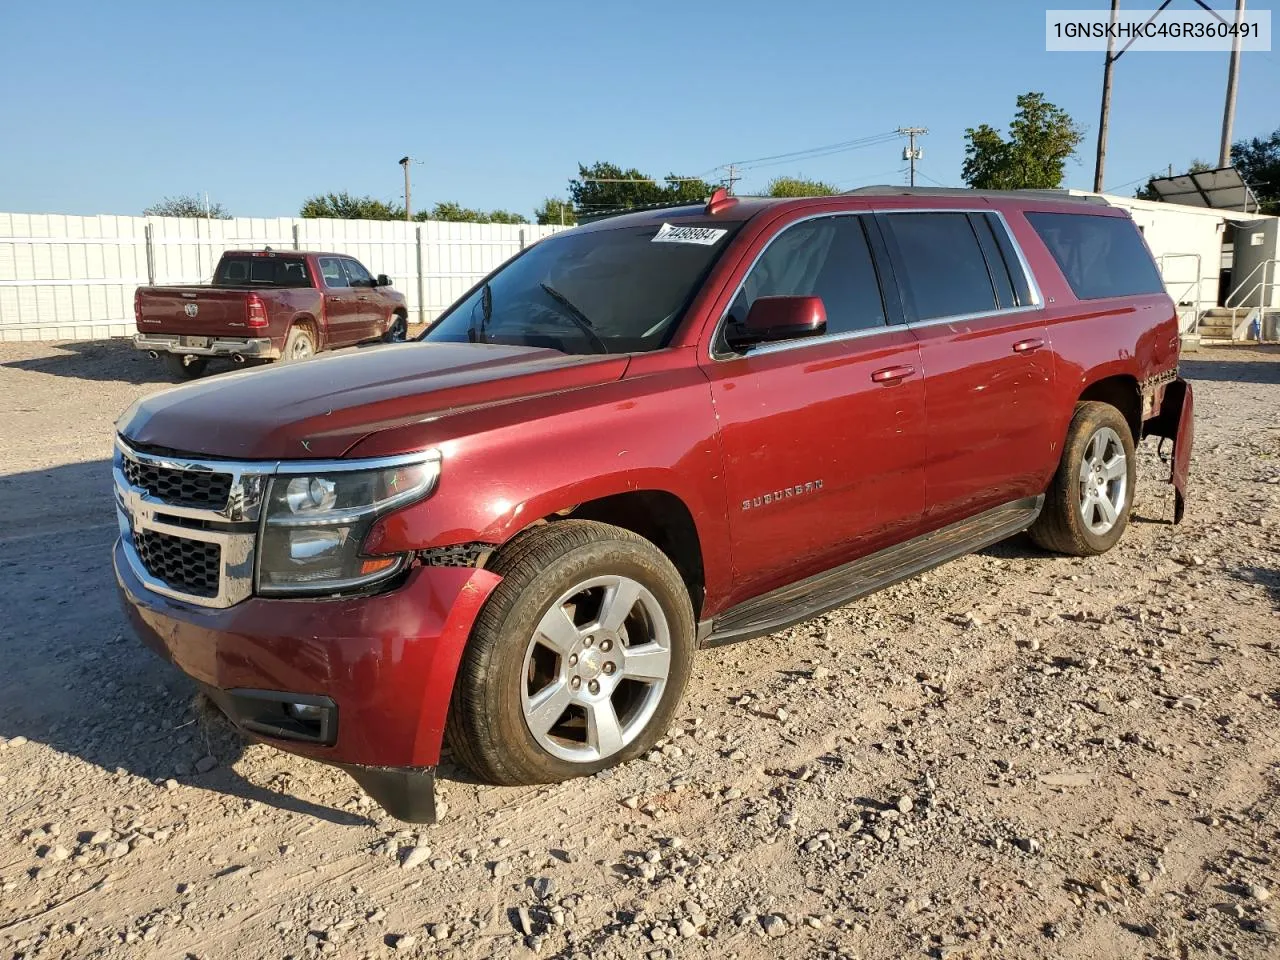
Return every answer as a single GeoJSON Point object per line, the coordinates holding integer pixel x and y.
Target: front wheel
{"type": "Point", "coordinates": [398, 331]}
{"type": "Point", "coordinates": [577, 661]}
{"type": "Point", "coordinates": [186, 367]}
{"type": "Point", "coordinates": [1087, 505]}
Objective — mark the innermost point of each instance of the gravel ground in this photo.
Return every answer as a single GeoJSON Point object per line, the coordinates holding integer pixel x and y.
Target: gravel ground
{"type": "Point", "coordinates": [1014, 755]}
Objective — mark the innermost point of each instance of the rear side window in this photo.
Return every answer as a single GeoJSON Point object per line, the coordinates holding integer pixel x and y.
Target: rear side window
{"type": "Point", "coordinates": [828, 258]}
{"type": "Point", "coordinates": [262, 272]}
{"type": "Point", "coordinates": [1099, 256]}
{"type": "Point", "coordinates": [940, 263]}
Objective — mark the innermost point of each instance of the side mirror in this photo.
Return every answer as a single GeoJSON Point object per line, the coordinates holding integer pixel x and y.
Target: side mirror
{"type": "Point", "coordinates": [382, 281]}
{"type": "Point", "coordinates": [772, 319]}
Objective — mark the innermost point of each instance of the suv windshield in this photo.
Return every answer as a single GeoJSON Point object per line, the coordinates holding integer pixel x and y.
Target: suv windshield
{"type": "Point", "coordinates": [262, 271]}
{"type": "Point", "coordinates": [602, 291]}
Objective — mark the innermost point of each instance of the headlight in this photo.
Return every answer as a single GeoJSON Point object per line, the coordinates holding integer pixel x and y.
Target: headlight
{"type": "Point", "coordinates": [315, 523]}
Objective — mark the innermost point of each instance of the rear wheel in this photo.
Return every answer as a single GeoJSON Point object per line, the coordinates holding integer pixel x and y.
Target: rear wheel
{"type": "Point", "coordinates": [300, 344]}
{"type": "Point", "coordinates": [577, 661]}
{"type": "Point", "coordinates": [1087, 505]}
{"type": "Point", "coordinates": [186, 367]}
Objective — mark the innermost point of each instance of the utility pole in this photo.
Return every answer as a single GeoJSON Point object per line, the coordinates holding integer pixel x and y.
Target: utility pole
{"type": "Point", "coordinates": [1233, 76]}
{"type": "Point", "coordinates": [1101, 163]}
{"type": "Point", "coordinates": [408, 206]}
{"type": "Point", "coordinates": [911, 153]}
{"type": "Point", "coordinates": [733, 177]}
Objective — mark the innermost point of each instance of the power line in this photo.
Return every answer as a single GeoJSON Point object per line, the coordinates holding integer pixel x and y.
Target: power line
{"type": "Point", "coordinates": [824, 150]}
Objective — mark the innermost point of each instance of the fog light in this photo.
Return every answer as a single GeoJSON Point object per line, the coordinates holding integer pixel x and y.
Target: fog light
{"type": "Point", "coordinates": [304, 711]}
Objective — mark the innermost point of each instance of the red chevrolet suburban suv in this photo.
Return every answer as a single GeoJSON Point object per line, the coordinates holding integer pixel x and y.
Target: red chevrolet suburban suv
{"type": "Point", "coordinates": [268, 305]}
{"type": "Point", "coordinates": [658, 432]}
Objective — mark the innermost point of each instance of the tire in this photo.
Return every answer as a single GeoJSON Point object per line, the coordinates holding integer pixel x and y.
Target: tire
{"type": "Point", "coordinates": [511, 679]}
{"type": "Point", "coordinates": [1087, 505]}
{"type": "Point", "coordinates": [398, 332]}
{"type": "Point", "coordinates": [300, 344]}
{"type": "Point", "coordinates": [186, 367]}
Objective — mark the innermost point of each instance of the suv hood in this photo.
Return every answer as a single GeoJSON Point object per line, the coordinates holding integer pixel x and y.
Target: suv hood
{"type": "Point", "coordinates": [321, 408]}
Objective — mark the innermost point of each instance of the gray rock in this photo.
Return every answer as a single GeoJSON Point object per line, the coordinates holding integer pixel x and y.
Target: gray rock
{"type": "Point", "coordinates": [773, 925]}
{"type": "Point", "coordinates": [416, 857]}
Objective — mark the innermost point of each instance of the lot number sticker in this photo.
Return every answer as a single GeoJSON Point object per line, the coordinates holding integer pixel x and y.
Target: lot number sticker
{"type": "Point", "coordinates": [703, 236]}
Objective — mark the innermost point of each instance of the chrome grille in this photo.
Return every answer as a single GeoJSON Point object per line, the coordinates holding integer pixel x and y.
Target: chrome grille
{"type": "Point", "coordinates": [192, 566]}
{"type": "Point", "coordinates": [188, 527]}
{"type": "Point", "coordinates": [188, 488]}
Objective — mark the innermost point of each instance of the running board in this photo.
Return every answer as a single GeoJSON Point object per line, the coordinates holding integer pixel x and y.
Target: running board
{"type": "Point", "coordinates": [805, 599]}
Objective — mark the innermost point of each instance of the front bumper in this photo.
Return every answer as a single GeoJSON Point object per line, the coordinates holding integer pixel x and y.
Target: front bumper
{"type": "Point", "coordinates": [386, 663]}
{"type": "Point", "coordinates": [251, 348]}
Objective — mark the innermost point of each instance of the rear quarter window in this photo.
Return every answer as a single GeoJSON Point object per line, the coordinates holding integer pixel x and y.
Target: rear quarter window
{"type": "Point", "coordinates": [1100, 256]}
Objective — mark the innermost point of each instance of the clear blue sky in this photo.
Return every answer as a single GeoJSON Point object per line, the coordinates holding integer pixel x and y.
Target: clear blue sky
{"type": "Point", "coordinates": [108, 106]}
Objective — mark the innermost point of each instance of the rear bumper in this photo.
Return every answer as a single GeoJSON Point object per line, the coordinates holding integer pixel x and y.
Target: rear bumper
{"type": "Point", "coordinates": [378, 670]}
{"type": "Point", "coordinates": [251, 348]}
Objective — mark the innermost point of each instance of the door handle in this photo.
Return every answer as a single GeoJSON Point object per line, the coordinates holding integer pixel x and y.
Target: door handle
{"type": "Point", "coordinates": [362, 298]}
{"type": "Point", "coordinates": [1027, 346]}
{"type": "Point", "coordinates": [891, 375]}
{"type": "Point", "coordinates": [336, 300]}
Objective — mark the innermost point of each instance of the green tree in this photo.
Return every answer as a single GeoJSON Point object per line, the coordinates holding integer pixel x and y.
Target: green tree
{"type": "Point", "coordinates": [451, 212]}
{"type": "Point", "coordinates": [799, 187]}
{"type": "Point", "coordinates": [1258, 161]}
{"type": "Point", "coordinates": [1042, 138]}
{"type": "Point", "coordinates": [1147, 192]}
{"type": "Point", "coordinates": [606, 186]}
{"type": "Point", "coordinates": [506, 216]}
{"type": "Point", "coordinates": [344, 206]}
{"type": "Point", "coordinates": [555, 211]}
{"type": "Point", "coordinates": [186, 205]}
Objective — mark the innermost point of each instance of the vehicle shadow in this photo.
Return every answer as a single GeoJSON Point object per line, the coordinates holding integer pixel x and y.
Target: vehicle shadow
{"type": "Point", "coordinates": [104, 360]}
{"type": "Point", "coordinates": [75, 678]}
{"type": "Point", "coordinates": [1216, 363]}
{"type": "Point", "coordinates": [1263, 577]}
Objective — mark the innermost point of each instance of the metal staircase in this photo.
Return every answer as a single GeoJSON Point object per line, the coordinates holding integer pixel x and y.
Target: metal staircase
{"type": "Point", "coordinates": [1234, 320]}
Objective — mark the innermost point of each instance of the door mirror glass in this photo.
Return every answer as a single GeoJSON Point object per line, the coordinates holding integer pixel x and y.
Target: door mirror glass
{"type": "Point", "coordinates": [772, 319]}
{"type": "Point", "coordinates": [382, 281]}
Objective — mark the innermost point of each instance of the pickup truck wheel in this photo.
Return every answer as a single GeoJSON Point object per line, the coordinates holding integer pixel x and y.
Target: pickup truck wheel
{"type": "Point", "coordinates": [577, 661]}
{"type": "Point", "coordinates": [398, 330]}
{"type": "Point", "coordinates": [1087, 505]}
{"type": "Point", "coordinates": [300, 344]}
{"type": "Point", "coordinates": [187, 367]}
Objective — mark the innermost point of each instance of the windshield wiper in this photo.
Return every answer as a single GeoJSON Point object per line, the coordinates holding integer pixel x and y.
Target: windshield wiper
{"type": "Point", "coordinates": [577, 316]}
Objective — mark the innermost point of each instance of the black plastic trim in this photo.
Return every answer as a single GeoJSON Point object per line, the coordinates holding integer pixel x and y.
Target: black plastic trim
{"type": "Point", "coordinates": [407, 793]}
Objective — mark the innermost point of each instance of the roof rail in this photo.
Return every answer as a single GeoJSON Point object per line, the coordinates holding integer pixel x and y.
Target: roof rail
{"type": "Point", "coordinates": [890, 190]}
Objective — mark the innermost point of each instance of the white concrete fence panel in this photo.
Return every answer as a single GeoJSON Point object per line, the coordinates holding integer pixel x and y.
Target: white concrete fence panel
{"type": "Point", "coordinates": [73, 278]}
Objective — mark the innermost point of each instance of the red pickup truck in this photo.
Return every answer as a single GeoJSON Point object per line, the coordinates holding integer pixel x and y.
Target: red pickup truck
{"type": "Point", "coordinates": [268, 305]}
{"type": "Point", "coordinates": [650, 434]}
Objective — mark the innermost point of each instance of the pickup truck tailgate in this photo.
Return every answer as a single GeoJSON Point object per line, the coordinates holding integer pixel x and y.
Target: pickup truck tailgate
{"type": "Point", "coordinates": [200, 311]}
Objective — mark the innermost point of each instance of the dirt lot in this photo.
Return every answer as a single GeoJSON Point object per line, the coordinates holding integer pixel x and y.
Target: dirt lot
{"type": "Point", "coordinates": [1015, 755]}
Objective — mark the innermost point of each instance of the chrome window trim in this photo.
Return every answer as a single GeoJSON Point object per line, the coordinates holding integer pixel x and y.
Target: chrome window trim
{"type": "Point", "coordinates": [235, 527]}
{"type": "Point", "coordinates": [1032, 285]}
